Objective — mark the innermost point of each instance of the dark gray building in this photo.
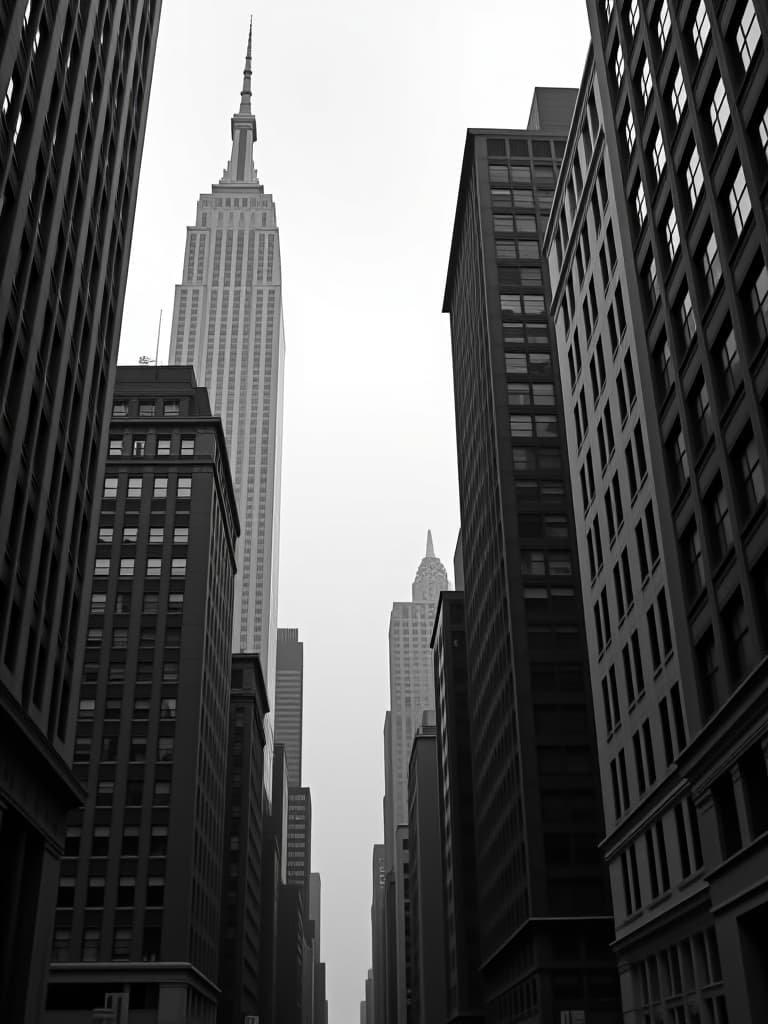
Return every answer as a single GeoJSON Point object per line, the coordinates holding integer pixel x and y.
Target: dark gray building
{"type": "Point", "coordinates": [74, 89]}
{"type": "Point", "coordinates": [289, 700]}
{"type": "Point", "coordinates": [140, 888]}
{"type": "Point", "coordinates": [544, 915]}
{"type": "Point", "coordinates": [462, 981]}
{"type": "Point", "coordinates": [299, 858]}
{"type": "Point", "coordinates": [273, 878]}
{"type": "Point", "coordinates": [240, 958]}
{"type": "Point", "coordinates": [658, 246]}
{"type": "Point", "coordinates": [378, 935]}
{"type": "Point", "coordinates": [425, 878]}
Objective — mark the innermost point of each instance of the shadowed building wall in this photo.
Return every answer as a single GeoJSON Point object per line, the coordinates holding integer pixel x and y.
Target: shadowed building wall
{"type": "Point", "coordinates": [74, 80]}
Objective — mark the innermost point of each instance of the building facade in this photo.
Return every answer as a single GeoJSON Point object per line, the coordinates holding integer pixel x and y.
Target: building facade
{"type": "Point", "coordinates": [378, 935]}
{"type": "Point", "coordinates": [244, 830]}
{"type": "Point", "coordinates": [228, 324]}
{"type": "Point", "coordinates": [457, 855]}
{"type": "Point", "coordinates": [289, 700]}
{"type": "Point", "coordinates": [658, 246]}
{"type": "Point", "coordinates": [139, 897]}
{"type": "Point", "coordinates": [299, 849]}
{"type": "Point", "coordinates": [544, 916]}
{"type": "Point", "coordinates": [426, 880]}
{"type": "Point", "coordinates": [74, 89]}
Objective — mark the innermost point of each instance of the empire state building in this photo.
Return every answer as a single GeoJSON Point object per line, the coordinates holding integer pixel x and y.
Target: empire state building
{"type": "Point", "coordinates": [228, 324]}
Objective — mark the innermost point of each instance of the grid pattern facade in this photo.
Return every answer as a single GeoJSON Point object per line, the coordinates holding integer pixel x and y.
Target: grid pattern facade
{"type": "Point", "coordinates": [543, 907]}
{"type": "Point", "coordinates": [74, 88]}
{"type": "Point", "coordinates": [670, 149]}
{"type": "Point", "coordinates": [241, 939]}
{"type": "Point", "coordinates": [456, 809]}
{"type": "Point", "coordinates": [141, 877]}
{"type": "Point", "coordinates": [228, 324]}
{"type": "Point", "coordinates": [289, 700]}
{"type": "Point", "coordinates": [298, 860]}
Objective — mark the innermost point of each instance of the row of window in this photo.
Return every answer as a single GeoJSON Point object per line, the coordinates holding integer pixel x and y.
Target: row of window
{"type": "Point", "coordinates": [138, 444]}
{"type": "Point", "coordinates": [150, 603]}
{"type": "Point", "coordinates": [157, 534]}
{"type": "Point", "coordinates": [159, 487]}
{"type": "Point", "coordinates": [153, 567]}
{"type": "Point", "coordinates": [169, 407]}
{"type": "Point", "coordinates": [137, 750]}
{"type": "Point", "coordinates": [126, 893]}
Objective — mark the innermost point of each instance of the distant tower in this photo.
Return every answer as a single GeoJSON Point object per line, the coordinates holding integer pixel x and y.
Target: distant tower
{"type": "Point", "coordinates": [411, 678]}
{"type": "Point", "coordinates": [289, 696]}
{"type": "Point", "coordinates": [228, 323]}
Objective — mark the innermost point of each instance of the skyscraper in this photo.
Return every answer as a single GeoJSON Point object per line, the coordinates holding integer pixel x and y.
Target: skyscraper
{"type": "Point", "coordinates": [228, 324]}
{"type": "Point", "coordinates": [544, 917]}
{"type": "Point", "coordinates": [411, 673]}
{"type": "Point", "coordinates": [658, 247]}
{"type": "Point", "coordinates": [139, 903]}
{"type": "Point", "coordinates": [289, 700]}
{"type": "Point", "coordinates": [74, 87]}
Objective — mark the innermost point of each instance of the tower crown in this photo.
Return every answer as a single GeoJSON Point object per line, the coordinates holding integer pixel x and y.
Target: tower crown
{"type": "Point", "coordinates": [240, 167]}
{"type": "Point", "coordinates": [431, 576]}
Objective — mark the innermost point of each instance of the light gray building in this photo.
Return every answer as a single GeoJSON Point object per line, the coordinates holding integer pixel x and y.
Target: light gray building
{"type": "Point", "coordinates": [228, 323]}
{"type": "Point", "coordinates": [289, 699]}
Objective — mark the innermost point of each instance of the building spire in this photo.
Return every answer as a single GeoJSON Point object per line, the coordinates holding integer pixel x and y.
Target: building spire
{"type": "Point", "coordinates": [240, 168]}
{"type": "Point", "coordinates": [245, 95]}
{"type": "Point", "coordinates": [430, 546]}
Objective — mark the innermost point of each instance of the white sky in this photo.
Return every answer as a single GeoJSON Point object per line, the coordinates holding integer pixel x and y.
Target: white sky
{"type": "Point", "coordinates": [362, 111]}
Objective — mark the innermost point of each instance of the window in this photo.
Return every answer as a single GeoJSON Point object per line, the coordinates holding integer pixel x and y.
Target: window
{"type": "Point", "coordinates": [739, 201]}
{"type": "Point", "coordinates": [180, 535]}
{"type": "Point", "coordinates": [110, 487]}
{"type": "Point", "coordinates": [687, 318]}
{"type": "Point", "coordinates": [729, 364]}
{"type": "Point", "coordinates": [618, 64]}
{"type": "Point", "coordinates": [640, 203]}
{"type": "Point", "coordinates": [678, 459]}
{"type": "Point", "coordinates": [184, 487]}
{"type": "Point", "coordinates": [629, 130]}
{"type": "Point", "coordinates": [160, 488]}
{"type": "Point", "coordinates": [663, 23]}
{"type": "Point", "coordinates": [758, 303]}
{"type": "Point", "coordinates": [92, 936]}
{"type": "Point", "coordinates": [672, 233]}
{"type": "Point", "coordinates": [719, 110]}
{"type": "Point", "coordinates": [693, 560]}
{"type": "Point", "coordinates": [646, 84]}
{"type": "Point", "coordinates": [120, 408]}
{"type": "Point", "coordinates": [158, 841]}
{"type": "Point", "coordinates": [762, 131]}
{"type": "Point", "coordinates": [678, 97]}
{"type": "Point", "coordinates": [146, 408]}
{"type": "Point", "coordinates": [710, 261]}
{"type": "Point", "coordinates": [187, 446]}
{"type": "Point", "coordinates": [130, 534]}
{"type": "Point", "coordinates": [115, 446]}
{"type": "Point", "coordinates": [134, 487]}
{"type": "Point", "coordinates": [170, 408]}
{"type": "Point", "coordinates": [126, 566]}
{"type": "Point", "coordinates": [155, 891]}
{"type": "Point", "coordinates": [101, 568]}
{"type": "Point", "coordinates": [720, 521]}
{"type": "Point", "coordinates": [736, 629]}
{"type": "Point", "coordinates": [700, 28]}
{"type": "Point", "coordinates": [139, 446]}
{"type": "Point", "coordinates": [663, 361]}
{"type": "Point", "coordinates": [165, 748]}
{"type": "Point", "coordinates": [154, 566]}
{"type": "Point", "coordinates": [750, 475]}
{"type": "Point", "coordinates": [634, 16]}
{"type": "Point", "coordinates": [156, 534]}
{"type": "Point", "coordinates": [694, 176]}
{"type": "Point", "coordinates": [175, 601]}
{"type": "Point", "coordinates": [701, 412]}
{"type": "Point", "coordinates": [659, 155]}
{"type": "Point", "coordinates": [747, 34]}
{"type": "Point", "coordinates": [652, 281]}
{"type": "Point", "coordinates": [178, 567]}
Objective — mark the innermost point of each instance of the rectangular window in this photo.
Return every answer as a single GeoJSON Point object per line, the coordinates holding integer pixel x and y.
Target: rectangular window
{"type": "Point", "coordinates": [163, 446]}
{"type": "Point", "coordinates": [178, 567]}
{"type": "Point", "coordinates": [184, 487]}
{"type": "Point", "coordinates": [171, 408]}
{"type": "Point", "coordinates": [110, 487]}
{"type": "Point", "coordinates": [187, 446]}
{"type": "Point", "coordinates": [134, 487]}
{"type": "Point", "coordinates": [160, 488]}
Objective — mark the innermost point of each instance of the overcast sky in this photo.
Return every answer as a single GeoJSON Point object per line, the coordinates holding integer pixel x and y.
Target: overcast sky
{"type": "Point", "coordinates": [362, 111]}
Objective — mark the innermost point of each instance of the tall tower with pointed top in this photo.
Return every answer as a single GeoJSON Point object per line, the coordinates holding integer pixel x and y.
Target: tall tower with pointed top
{"type": "Point", "coordinates": [228, 324]}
